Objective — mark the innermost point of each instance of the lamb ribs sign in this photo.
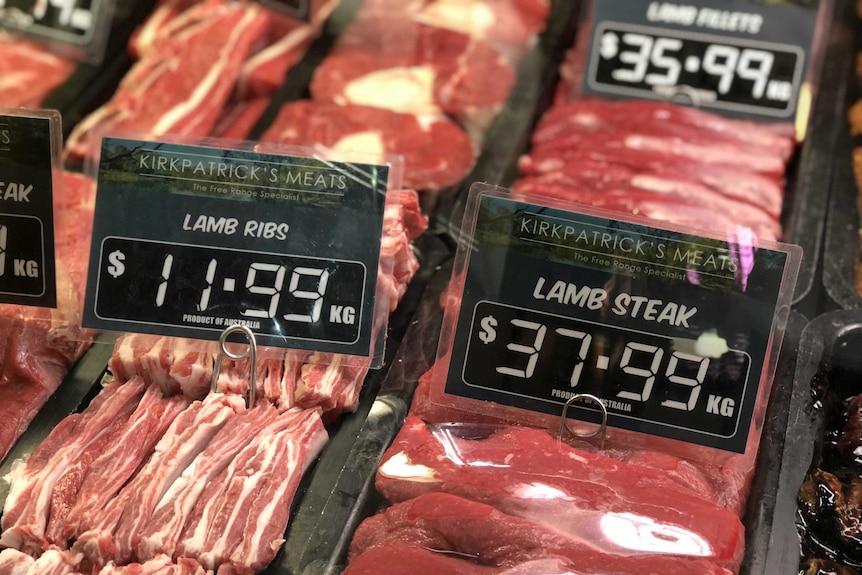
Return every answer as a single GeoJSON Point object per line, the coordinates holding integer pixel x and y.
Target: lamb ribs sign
{"type": "Point", "coordinates": [190, 240]}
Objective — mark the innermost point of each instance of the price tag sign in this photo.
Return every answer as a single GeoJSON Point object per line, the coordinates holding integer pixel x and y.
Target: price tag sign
{"type": "Point", "coordinates": [190, 240]}
{"type": "Point", "coordinates": [298, 9]}
{"type": "Point", "coordinates": [672, 331]}
{"type": "Point", "coordinates": [80, 24]}
{"type": "Point", "coordinates": [738, 56]}
{"type": "Point", "coordinates": [29, 152]}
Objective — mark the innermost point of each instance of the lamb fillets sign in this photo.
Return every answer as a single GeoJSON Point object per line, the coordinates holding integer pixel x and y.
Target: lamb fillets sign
{"type": "Point", "coordinates": [672, 331]}
{"type": "Point", "coordinates": [79, 25]}
{"type": "Point", "coordinates": [29, 147]}
{"type": "Point", "coordinates": [737, 56]}
{"type": "Point", "coordinates": [190, 240]}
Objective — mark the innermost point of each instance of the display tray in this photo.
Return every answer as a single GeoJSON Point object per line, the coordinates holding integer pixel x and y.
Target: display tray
{"type": "Point", "coordinates": [841, 248]}
{"type": "Point", "coordinates": [320, 534]}
{"type": "Point", "coordinates": [830, 365]}
{"type": "Point", "coordinates": [84, 382]}
{"type": "Point", "coordinates": [91, 85]}
{"type": "Point", "coordinates": [808, 175]}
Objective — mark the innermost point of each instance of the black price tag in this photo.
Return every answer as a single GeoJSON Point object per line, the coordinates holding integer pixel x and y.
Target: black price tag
{"type": "Point", "coordinates": [190, 240]}
{"type": "Point", "coordinates": [78, 23]}
{"type": "Point", "coordinates": [299, 9]}
{"type": "Point", "coordinates": [735, 56]}
{"type": "Point", "coordinates": [27, 159]}
{"type": "Point", "coordinates": [671, 330]}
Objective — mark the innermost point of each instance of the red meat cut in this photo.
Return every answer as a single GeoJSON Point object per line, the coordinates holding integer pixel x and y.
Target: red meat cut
{"type": "Point", "coordinates": [28, 73]}
{"type": "Point", "coordinates": [542, 474]}
{"type": "Point", "coordinates": [444, 522]}
{"type": "Point", "coordinates": [437, 153]}
{"type": "Point", "coordinates": [183, 81]}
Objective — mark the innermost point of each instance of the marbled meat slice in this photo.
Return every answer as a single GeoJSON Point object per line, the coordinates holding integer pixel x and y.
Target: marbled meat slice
{"type": "Point", "coordinates": [101, 534]}
{"type": "Point", "coordinates": [437, 68]}
{"type": "Point", "coordinates": [182, 84]}
{"type": "Point", "coordinates": [162, 531]}
{"type": "Point", "coordinates": [118, 462]}
{"type": "Point", "coordinates": [398, 558]}
{"type": "Point", "coordinates": [25, 513]}
{"type": "Point", "coordinates": [437, 153]}
{"type": "Point", "coordinates": [581, 487]}
{"type": "Point", "coordinates": [242, 515]}
{"type": "Point", "coordinates": [444, 522]}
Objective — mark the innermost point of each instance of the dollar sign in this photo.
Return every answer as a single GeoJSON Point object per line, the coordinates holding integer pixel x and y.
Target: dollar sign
{"type": "Point", "coordinates": [610, 45]}
{"type": "Point", "coordinates": [116, 268]}
{"type": "Point", "coordinates": [488, 334]}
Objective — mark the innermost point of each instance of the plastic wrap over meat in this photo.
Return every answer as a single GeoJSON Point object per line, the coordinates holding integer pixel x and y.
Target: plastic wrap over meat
{"type": "Point", "coordinates": [533, 497]}
{"type": "Point", "coordinates": [661, 161]}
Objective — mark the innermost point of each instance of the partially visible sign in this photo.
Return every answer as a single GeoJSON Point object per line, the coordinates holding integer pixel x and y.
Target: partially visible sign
{"type": "Point", "coordinates": [672, 331]}
{"type": "Point", "coordinates": [299, 9]}
{"type": "Point", "coordinates": [189, 240]}
{"type": "Point", "coordinates": [735, 56]}
{"type": "Point", "coordinates": [81, 24]}
{"type": "Point", "coordinates": [27, 155]}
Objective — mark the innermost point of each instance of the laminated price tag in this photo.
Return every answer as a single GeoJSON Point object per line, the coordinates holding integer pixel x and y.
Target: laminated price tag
{"type": "Point", "coordinates": [737, 56]}
{"type": "Point", "coordinates": [674, 333]}
{"type": "Point", "coordinates": [29, 162]}
{"type": "Point", "coordinates": [189, 240]}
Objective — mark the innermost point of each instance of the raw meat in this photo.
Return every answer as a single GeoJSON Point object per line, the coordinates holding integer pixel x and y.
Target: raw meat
{"type": "Point", "coordinates": [41, 345]}
{"type": "Point", "coordinates": [161, 565]}
{"type": "Point", "coordinates": [398, 558]}
{"type": "Point", "coordinates": [29, 73]}
{"type": "Point", "coordinates": [437, 153]}
{"type": "Point", "coordinates": [661, 161]}
{"type": "Point", "coordinates": [25, 513]}
{"type": "Point", "coordinates": [424, 68]}
{"type": "Point", "coordinates": [443, 522]}
{"type": "Point", "coordinates": [184, 81]}
{"type": "Point", "coordinates": [184, 440]}
{"type": "Point", "coordinates": [289, 39]}
{"type": "Point", "coordinates": [117, 463]}
{"type": "Point", "coordinates": [542, 474]}
{"type": "Point", "coordinates": [162, 530]}
{"type": "Point", "coordinates": [14, 562]}
{"type": "Point", "coordinates": [242, 515]}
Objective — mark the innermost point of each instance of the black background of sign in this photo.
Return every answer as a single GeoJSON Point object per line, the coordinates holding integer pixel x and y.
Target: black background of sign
{"type": "Point", "coordinates": [27, 160]}
{"type": "Point", "coordinates": [141, 280]}
{"type": "Point", "coordinates": [783, 24]}
{"type": "Point", "coordinates": [503, 269]}
{"type": "Point", "coordinates": [783, 70]}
